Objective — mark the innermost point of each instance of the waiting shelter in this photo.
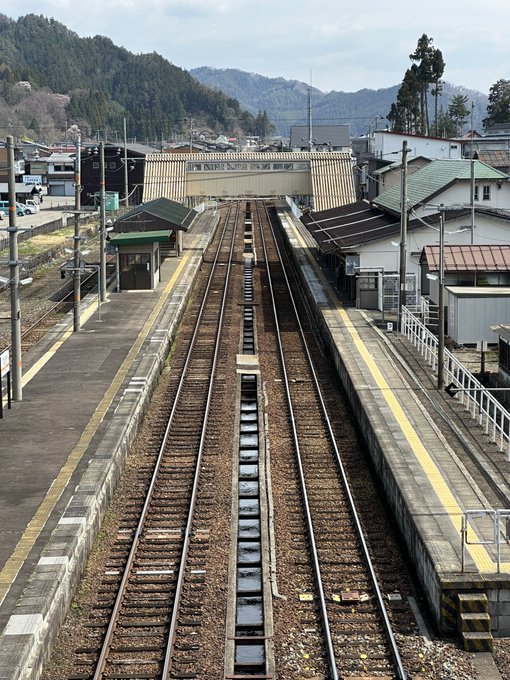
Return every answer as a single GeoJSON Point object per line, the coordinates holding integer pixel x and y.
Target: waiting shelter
{"type": "Point", "coordinates": [143, 236]}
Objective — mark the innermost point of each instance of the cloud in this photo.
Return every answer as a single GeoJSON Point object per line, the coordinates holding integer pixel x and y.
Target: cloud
{"type": "Point", "coordinates": [348, 46]}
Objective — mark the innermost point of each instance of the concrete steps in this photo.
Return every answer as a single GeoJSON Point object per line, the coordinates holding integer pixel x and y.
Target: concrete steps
{"type": "Point", "coordinates": [474, 622]}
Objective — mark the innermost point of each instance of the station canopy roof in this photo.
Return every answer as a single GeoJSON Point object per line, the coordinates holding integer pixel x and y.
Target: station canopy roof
{"type": "Point", "coordinates": [135, 237]}
{"type": "Point", "coordinates": [350, 226]}
{"type": "Point", "coordinates": [159, 214]}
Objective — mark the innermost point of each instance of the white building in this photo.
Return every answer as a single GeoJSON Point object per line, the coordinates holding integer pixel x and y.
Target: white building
{"type": "Point", "coordinates": [387, 146]}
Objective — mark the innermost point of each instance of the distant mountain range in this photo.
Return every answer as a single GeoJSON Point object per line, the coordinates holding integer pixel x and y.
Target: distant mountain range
{"type": "Point", "coordinates": [286, 101]}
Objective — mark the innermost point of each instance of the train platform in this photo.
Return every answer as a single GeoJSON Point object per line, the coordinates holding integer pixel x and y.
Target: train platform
{"type": "Point", "coordinates": [445, 507]}
{"type": "Point", "coordinates": [63, 446]}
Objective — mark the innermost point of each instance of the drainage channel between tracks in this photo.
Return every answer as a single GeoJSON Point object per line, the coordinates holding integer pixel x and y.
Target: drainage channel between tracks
{"type": "Point", "coordinates": [250, 632]}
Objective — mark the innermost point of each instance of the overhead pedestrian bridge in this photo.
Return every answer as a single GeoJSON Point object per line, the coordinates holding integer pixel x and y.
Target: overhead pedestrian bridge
{"type": "Point", "coordinates": [320, 179]}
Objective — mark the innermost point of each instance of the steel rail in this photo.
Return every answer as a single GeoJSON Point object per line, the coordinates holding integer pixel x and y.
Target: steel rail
{"type": "Point", "coordinates": [107, 641]}
{"type": "Point", "coordinates": [309, 522]}
{"type": "Point", "coordinates": [167, 666]}
{"type": "Point", "coordinates": [379, 597]}
{"type": "Point", "coordinates": [52, 309]}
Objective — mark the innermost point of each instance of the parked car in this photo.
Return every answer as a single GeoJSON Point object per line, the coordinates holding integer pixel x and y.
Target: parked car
{"type": "Point", "coordinates": [4, 208]}
{"type": "Point", "coordinates": [32, 205]}
{"type": "Point", "coordinates": [22, 209]}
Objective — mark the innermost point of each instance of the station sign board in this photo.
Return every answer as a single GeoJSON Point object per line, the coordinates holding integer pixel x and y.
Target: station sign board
{"type": "Point", "coordinates": [4, 363]}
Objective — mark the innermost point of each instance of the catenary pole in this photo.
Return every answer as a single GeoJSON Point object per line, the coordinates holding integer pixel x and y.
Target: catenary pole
{"type": "Point", "coordinates": [403, 234]}
{"type": "Point", "coordinates": [14, 276]}
{"type": "Point", "coordinates": [76, 237]}
{"type": "Point", "coordinates": [102, 226]}
{"type": "Point", "coordinates": [126, 178]}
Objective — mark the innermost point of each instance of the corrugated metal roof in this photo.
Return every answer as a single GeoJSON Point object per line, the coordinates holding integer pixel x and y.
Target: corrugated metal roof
{"type": "Point", "coordinates": [332, 181]}
{"type": "Point", "coordinates": [352, 225]}
{"type": "Point", "coordinates": [469, 258]}
{"type": "Point", "coordinates": [427, 182]}
{"type": "Point", "coordinates": [497, 158]}
{"type": "Point", "coordinates": [157, 213]}
{"type": "Point", "coordinates": [479, 291]}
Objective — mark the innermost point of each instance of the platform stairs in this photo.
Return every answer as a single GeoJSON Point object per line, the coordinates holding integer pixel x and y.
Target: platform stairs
{"type": "Point", "coordinates": [474, 622]}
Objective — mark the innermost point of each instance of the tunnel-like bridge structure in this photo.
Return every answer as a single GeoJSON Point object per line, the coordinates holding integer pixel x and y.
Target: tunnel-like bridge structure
{"type": "Point", "coordinates": [320, 179]}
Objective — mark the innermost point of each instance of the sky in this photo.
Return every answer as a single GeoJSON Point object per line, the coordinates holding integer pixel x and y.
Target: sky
{"type": "Point", "coordinates": [332, 44]}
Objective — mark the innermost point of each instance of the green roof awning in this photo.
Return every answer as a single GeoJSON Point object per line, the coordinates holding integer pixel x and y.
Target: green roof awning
{"type": "Point", "coordinates": [134, 237]}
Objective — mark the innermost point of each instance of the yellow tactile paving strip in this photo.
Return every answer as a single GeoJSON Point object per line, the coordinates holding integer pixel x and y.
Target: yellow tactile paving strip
{"type": "Point", "coordinates": [481, 557]}
{"type": "Point", "coordinates": [36, 525]}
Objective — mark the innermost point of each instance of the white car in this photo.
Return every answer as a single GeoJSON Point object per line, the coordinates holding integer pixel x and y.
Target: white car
{"type": "Point", "coordinates": [31, 206]}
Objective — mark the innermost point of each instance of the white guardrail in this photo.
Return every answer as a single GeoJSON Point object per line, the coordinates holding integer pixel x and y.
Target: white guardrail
{"type": "Point", "coordinates": [491, 415]}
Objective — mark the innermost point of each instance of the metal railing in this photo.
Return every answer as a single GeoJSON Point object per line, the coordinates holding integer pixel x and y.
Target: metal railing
{"type": "Point", "coordinates": [489, 528]}
{"type": "Point", "coordinates": [492, 417]}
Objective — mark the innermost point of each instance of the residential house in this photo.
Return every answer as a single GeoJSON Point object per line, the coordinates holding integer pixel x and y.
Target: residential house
{"type": "Point", "coordinates": [384, 178]}
{"type": "Point", "coordinates": [323, 138]}
{"type": "Point", "coordinates": [19, 172]}
{"type": "Point", "coordinates": [388, 144]}
{"type": "Point", "coordinates": [476, 285]}
{"type": "Point", "coordinates": [61, 174]}
{"type": "Point", "coordinates": [449, 183]}
{"type": "Point", "coordinates": [119, 177]}
{"type": "Point", "coordinates": [365, 237]}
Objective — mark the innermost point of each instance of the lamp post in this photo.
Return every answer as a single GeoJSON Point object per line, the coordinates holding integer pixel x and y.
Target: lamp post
{"type": "Point", "coordinates": [14, 276]}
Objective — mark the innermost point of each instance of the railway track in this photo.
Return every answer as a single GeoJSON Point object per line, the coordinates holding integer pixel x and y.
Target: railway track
{"type": "Point", "coordinates": [239, 553]}
{"type": "Point", "coordinates": [342, 588]}
{"type": "Point", "coordinates": [159, 552]}
{"type": "Point", "coordinates": [37, 323]}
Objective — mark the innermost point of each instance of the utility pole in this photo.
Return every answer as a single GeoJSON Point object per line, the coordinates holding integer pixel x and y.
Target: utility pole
{"type": "Point", "coordinates": [76, 237]}
{"type": "Point", "coordinates": [472, 183]}
{"type": "Point", "coordinates": [403, 234]}
{"type": "Point", "coordinates": [102, 226]}
{"type": "Point", "coordinates": [440, 311]}
{"type": "Point", "coordinates": [126, 180]}
{"type": "Point", "coordinates": [14, 276]}
{"type": "Point", "coordinates": [191, 131]}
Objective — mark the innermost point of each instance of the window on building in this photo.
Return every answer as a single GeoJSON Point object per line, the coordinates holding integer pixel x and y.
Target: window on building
{"type": "Point", "coordinates": [476, 196]}
{"type": "Point", "coordinates": [112, 165]}
{"type": "Point", "coordinates": [486, 193]}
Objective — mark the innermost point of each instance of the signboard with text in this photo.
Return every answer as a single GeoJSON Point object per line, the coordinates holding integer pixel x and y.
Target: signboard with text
{"type": "Point", "coordinates": [4, 363]}
{"type": "Point", "coordinates": [32, 179]}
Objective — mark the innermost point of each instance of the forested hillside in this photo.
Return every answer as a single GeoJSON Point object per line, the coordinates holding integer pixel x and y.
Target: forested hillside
{"type": "Point", "coordinates": [104, 83]}
{"type": "Point", "coordinates": [286, 101]}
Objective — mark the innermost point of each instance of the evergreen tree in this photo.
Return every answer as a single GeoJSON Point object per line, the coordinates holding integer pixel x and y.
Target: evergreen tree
{"type": "Point", "coordinates": [405, 112]}
{"type": "Point", "coordinates": [498, 109]}
{"type": "Point", "coordinates": [458, 112]}
{"type": "Point", "coordinates": [444, 124]}
{"type": "Point", "coordinates": [423, 56]}
{"type": "Point", "coordinates": [410, 112]}
{"type": "Point", "coordinates": [438, 66]}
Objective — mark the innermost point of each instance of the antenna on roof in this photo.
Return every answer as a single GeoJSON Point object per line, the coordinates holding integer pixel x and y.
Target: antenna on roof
{"type": "Point", "coordinates": [310, 135]}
